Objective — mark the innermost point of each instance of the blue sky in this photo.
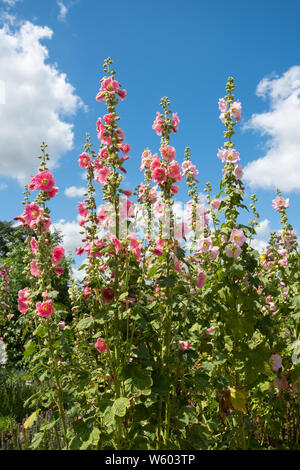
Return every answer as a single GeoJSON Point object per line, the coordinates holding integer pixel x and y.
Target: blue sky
{"type": "Point", "coordinates": [51, 56]}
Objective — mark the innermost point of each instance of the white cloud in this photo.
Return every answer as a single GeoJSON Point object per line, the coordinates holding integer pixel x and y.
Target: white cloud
{"type": "Point", "coordinates": [11, 3]}
{"type": "Point", "coordinates": [78, 275]}
{"type": "Point", "coordinates": [72, 191]}
{"type": "Point", "coordinates": [263, 231]}
{"type": "Point", "coordinates": [63, 10]}
{"type": "Point", "coordinates": [3, 186]}
{"type": "Point", "coordinates": [280, 167]}
{"type": "Point", "coordinates": [70, 232]}
{"type": "Point", "coordinates": [37, 97]}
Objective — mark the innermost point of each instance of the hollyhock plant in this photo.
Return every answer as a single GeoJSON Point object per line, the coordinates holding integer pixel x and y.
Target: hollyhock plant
{"type": "Point", "coordinates": [44, 181]}
{"type": "Point", "coordinates": [237, 237]}
{"type": "Point", "coordinates": [168, 153]}
{"type": "Point", "coordinates": [45, 309]}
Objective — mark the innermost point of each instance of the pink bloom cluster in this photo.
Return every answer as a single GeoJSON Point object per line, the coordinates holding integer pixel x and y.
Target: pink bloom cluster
{"type": "Point", "coordinates": [108, 87]}
{"type": "Point", "coordinates": [235, 109]}
{"type": "Point", "coordinates": [159, 123]}
{"type": "Point", "coordinates": [23, 300]}
{"type": "Point", "coordinates": [44, 181]}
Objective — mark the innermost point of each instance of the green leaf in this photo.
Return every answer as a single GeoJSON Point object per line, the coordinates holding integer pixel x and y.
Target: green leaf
{"type": "Point", "coordinates": [41, 331]}
{"type": "Point", "coordinates": [92, 440]}
{"type": "Point", "coordinates": [120, 405]}
{"type": "Point", "coordinates": [29, 349]}
{"type": "Point", "coordinates": [84, 323]}
{"type": "Point", "coordinates": [152, 271]}
{"type": "Point", "coordinates": [238, 399]}
{"type": "Point", "coordinates": [123, 296]}
{"type": "Point", "coordinates": [37, 440]}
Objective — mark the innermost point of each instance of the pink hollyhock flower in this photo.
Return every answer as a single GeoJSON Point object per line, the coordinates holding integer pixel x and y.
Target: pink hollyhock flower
{"type": "Point", "coordinates": [158, 209]}
{"type": "Point", "coordinates": [174, 171]}
{"type": "Point", "coordinates": [215, 204]}
{"type": "Point", "coordinates": [236, 110]}
{"type": "Point", "coordinates": [153, 194]}
{"type": "Point", "coordinates": [86, 291]}
{"type": "Point", "coordinates": [214, 252]}
{"type": "Point", "coordinates": [61, 325]}
{"type": "Point", "coordinates": [82, 209]}
{"type": "Point", "coordinates": [101, 177]}
{"type": "Point", "coordinates": [44, 181]}
{"type": "Point", "coordinates": [156, 162]}
{"type": "Point", "coordinates": [23, 300]}
{"type": "Point", "coordinates": [81, 222]}
{"type": "Point", "coordinates": [79, 250]}
{"type": "Point", "coordinates": [125, 148]}
{"type": "Point", "coordinates": [272, 307]}
{"type": "Point", "coordinates": [233, 251]}
{"type": "Point", "coordinates": [184, 345]}
{"type": "Point", "coordinates": [32, 214]}
{"type": "Point", "coordinates": [281, 383]}
{"type": "Point", "coordinates": [157, 124]}
{"type": "Point", "coordinates": [275, 362]}
{"type": "Point", "coordinates": [205, 244]}
{"type": "Point", "coordinates": [84, 160]}
{"type": "Point", "coordinates": [237, 237]}
{"type": "Point", "coordinates": [100, 96]}
{"type": "Point", "coordinates": [103, 154]}
{"type": "Point", "coordinates": [53, 192]}
{"type": "Point", "coordinates": [59, 270]}
{"type": "Point", "coordinates": [189, 168]}
{"type": "Point", "coordinates": [284, 262]}
{"type": "Point", "coordinates": [209, 330]}
{"type": "Point", "coordinates": [108, 118]}
{"type": "Point", "coordinates": [146, 159]}
{"type": "Point", "coordinates": [238, 172]}
{"type": "Point", "coordinates": [222, 103]}
{"type": "Point", "coordinates": [222, 117]}
{"type": "Point", "coordinates": [34, 245]}
{"type": "Point", "coordinates": [122, 94]}
{"type": "Point", "coordinates": [127, 209]}
{"type": "Point", "coordinates": [57, 255]}
{"type": "Point", "coordinates": [34, 269]}
{"type": "Point", "coordinates": [175, 121]}
{"type": "Point", "coordinates": [285, 293]}
{"type": "Point", "coordinates": [159, 175]}
{"type": "Point", "coordinates": [201, 280]}
{"type": "Point", "coordinates": [232, 156]}
{"type": "Point", "coordinates": [168, 153]}
{"type": "Point", "coordinates": [45, 309]}
{"type": "Point", "coordinates": [127, 192]}
{"type": "Point", "coordinates": [108, 295]}
{"type": "Point", "coordinates": [117, 244]}
{"type": "Point", "coordinates": [222, 154]}
{"type": "Point", "coordinates": [109, 85]}
{"type": "Point", "coordinates": [101, 345]}
{"type": "Point", "coordinates": [280, 202]}
{"type": "Point", "coordinates": [103, 215]}
{"type": "Point", "coordinates": [174, 189]}
{"type": "Point", "coordinates": [158, 248]}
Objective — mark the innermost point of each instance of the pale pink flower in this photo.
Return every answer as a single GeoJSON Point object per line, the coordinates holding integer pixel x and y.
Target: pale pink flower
{"type": "Point", "coordinates": [35, 271]}
{"type": "Point", "coordinates": [205, 244]}
{"type": "Point", "coordinates": [233, 251]}
{"type": "Point", "coordinates": [276, 362]}
{"type": "Point", "coordinates": [237, 237]}
{"type": "Point", "coordinates": [61, 325]}
{"type": "Point", "coordinates": [209, 330]}
{"type": "Point", "coordinates": [238, 172]}
{"type": "Point", "coordinates": [103, 215]}
{"type": "Point", "coordinates": [201, 280]}
{"type": "Point", "coordinates": [174, 171]}
{"type": "Point", "coordinates": [215, 204]}
{"type": "Point", "coordinates": [102, 174]}
{"type": "Point", "coordinates": [158, 209]}
{"type": "Point", "coordinates": [280, 202]}
{"type": "Point", "coordinates": [127, 209]}
{"type": "Point", "coordinates": [231, 156]}
{"type": "Point", "coordinates": [34, 245]}
{"type": "Point", "coordinates": [222, 154]}
{"type": "Point", "coordinates": [222, 103]}
{"type": "Point", "coordinates": [157, 124]}
{"type": "Point", "coordinates": [146, 159]}
{"type": "Point", "coordinates": [236, 110]}
{"type": "Point", "coordinates": [168, 153]}
{"type": "Point", "coordinates": [214, 252]}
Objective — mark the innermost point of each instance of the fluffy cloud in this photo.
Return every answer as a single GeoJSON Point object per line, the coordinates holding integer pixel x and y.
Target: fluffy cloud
{"type": "Point", "coordinates": [70, 232]}
{"type": "Point", "coordinates": [11, 3]}
{"type": "Point", "coordinates": [280, 167]}
{"type": "Point", "coordinates": [38, 97]}
{"type": "Point", "coordinates": [72, 191]}
{"type": "Point", "coordinates": [63, 10]}
{"type": "Point", "coordinates": [263, 231]}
